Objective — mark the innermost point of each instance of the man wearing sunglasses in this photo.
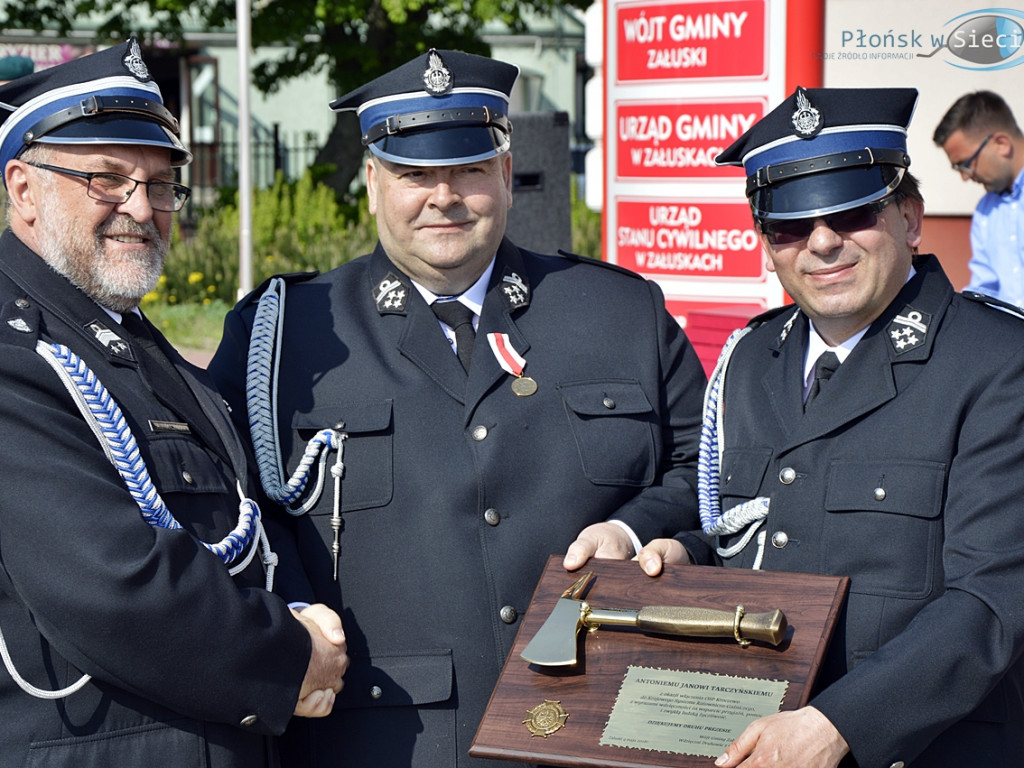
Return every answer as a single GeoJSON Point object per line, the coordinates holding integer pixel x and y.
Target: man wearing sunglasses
{"type": "Point", "coordinates": [983, 142]}
{"type": "Point", "coordinates": [871, 430]}
{"type": "Point", "coordinates": [136, 616]}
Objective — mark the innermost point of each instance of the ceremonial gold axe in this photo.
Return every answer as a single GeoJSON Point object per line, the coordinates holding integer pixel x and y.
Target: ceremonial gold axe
{"type": "Point", "coordinates": [555, 642]}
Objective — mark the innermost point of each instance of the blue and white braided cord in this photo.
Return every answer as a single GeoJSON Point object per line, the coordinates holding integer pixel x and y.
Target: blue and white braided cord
{"type": "Point", "coordinates": [261, 404]}
{"type": "Point", "coordinates": [709, 464]}
{"type": "Point", "coordinates": [106, 420]}
{"type": "Point", "coordinates": [107, 423]}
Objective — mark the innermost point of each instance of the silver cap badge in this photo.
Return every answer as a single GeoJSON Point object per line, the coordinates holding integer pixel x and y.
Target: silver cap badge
{"type": "Point", "coordinates": [133, 62]}
{"type": "Point", "coordinates": [437, 78]}
{"type": "Point", "coordinates": [806, 119]}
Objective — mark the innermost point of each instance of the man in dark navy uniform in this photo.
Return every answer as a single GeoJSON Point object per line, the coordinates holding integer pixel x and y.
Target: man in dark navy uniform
{"type": "Point", "coordinates": [134, 572]}
{"type": "Point", "coordinates": [489, 407]}
{"type": "Point", "coordinates": [872, 431]}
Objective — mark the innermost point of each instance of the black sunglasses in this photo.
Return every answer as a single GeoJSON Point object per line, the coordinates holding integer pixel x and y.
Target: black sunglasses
{"type": "Point", "coordinates": [788, 231]}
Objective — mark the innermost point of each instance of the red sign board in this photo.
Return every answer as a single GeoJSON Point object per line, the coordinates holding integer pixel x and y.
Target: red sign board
{"type": "Point", "coordinates": [680, 139]}
{"type": "Point", "coordinates": [688, 239]}
{"type": "Point", "coordinates": [685, 40]}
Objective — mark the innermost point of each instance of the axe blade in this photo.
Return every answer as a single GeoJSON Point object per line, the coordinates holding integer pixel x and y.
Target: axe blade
{"type": "Point", "coordinates": [555, 645]}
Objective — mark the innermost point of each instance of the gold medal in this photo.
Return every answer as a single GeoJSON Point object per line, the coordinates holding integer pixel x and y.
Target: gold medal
{"type": "Point", "coordinates": [511, 362]}
{"type": "Point", "coordinates": [524, 386]}
{"type": "Point", "coordinates": [546, 718]}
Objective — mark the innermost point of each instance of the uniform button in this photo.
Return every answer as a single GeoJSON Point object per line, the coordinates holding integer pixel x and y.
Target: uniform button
{"type": "Point", "coordinates": [479, 433]}
{"type": "Point", "coordinates": [491, 516]}
{"type": "Point", "coordinates": [780, 539]}
{"type": "Point", "coordinates": [249, 720]}
{"type": "Point", "coordinates": [879, 494]}
{"type": "Point", "coordinates": [376, 692]}
{"type": "Point", "coordinates": [509, 614]}
{"type": "Point", "coordinates": [897, 764]}
{"type": "Point", "coordinates": [22, 304]}
{"type": "Point", "coordinates": [187, 477]}
{"type": "Point", "coordinates": [608, 403]}
{"type": "Point", "coordinates": [787, 475]}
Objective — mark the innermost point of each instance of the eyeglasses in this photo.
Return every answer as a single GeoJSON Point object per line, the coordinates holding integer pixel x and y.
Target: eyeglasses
{"type": "Point", "coordinates": [788, 231]}
{"type": "Point", "coordinates": [117, 188]}
{"type": "Point", "coordinates": [966, 166]}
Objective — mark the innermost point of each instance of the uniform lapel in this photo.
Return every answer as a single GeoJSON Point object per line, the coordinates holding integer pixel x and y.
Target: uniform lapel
{"type": "Point", "coordinates": [424, 344]}
{"type": "Point", "coordinates": [862, 383]}
{"type": "Point", "coordinates": [421, 339]}
{"type": "Point", "coordinates": [509, 292]}
{"type": "Point", "coordinates": [904, 334]}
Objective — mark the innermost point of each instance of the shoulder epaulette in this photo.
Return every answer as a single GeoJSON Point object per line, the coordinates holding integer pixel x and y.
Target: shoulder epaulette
{"type": "Point", "coordinates": [598, 262]}
{"type": "Point", "coordinates": [21, 322]}
{"type": "Point", "coordinates": [992, 301]}
{"type": "Point", "coordinates": [764, 317]}
{"type": "Point", "coordinates": [291, 278]}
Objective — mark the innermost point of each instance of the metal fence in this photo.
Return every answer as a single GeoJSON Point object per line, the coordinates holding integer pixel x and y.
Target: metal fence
{"type": "Point", "coordinates": [215, 165]}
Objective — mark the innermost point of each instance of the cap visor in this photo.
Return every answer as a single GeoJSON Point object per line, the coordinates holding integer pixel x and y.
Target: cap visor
{"type": "Point", "coordinates": [819, 194]}
{"type": "Point", "coordinates": [457, 145]}
{"type": "Point", "coordinates": [119, 130]}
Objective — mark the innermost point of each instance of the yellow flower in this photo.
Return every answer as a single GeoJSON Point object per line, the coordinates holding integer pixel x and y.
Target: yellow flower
{"type": "Point", "coordinates": [194, 278]}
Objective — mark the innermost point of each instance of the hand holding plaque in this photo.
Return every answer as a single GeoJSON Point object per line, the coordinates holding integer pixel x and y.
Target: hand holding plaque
{"type": "Point", "coordinates": [640, 698]}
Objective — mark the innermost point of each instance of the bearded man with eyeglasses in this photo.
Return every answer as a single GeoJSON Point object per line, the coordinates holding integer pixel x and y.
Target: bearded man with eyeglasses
{"type": "Point", "coordinates": [870, 430]}
{"type": "Point", "coordinates": [137, 617]}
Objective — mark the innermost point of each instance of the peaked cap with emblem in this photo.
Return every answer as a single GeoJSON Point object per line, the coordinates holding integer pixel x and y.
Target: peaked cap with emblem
{"type": "Point", "coordinates": [103, 98]}
{"type": "Point", "coordinates": [825, 150]}
{"type": "Point", "coordinates": [441, 108]}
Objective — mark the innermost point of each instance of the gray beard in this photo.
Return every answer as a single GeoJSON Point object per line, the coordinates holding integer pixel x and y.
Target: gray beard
{"type": "Point", "coordinates": [118, 284]}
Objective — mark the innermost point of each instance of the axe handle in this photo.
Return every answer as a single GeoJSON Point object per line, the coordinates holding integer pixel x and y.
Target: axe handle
{"type": "Point", "coordinates": [769, 627]}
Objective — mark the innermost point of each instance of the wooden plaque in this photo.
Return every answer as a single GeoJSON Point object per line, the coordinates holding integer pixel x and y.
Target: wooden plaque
{"type": "Point", "coordinates": [588, 690]}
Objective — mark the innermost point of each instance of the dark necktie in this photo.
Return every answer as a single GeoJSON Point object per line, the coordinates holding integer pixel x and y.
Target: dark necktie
{"type": "Point", "coordinates": [459, 318]}
{"type": "Point", "coordinates": [825, 366]}
{"type": "Point", "coordinates": [159, 371]}
{"type": "Point", "coordinates": [168, 385]}
{"type": "Point", "coordinates": [146, 344]}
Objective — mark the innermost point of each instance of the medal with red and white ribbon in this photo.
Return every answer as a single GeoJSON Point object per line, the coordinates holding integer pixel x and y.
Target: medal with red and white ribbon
{"type": "Point", "coordinates": [511, 362]}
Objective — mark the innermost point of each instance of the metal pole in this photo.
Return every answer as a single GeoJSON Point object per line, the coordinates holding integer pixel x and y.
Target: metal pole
{"type": "Point", "coordinates": [243, 13]}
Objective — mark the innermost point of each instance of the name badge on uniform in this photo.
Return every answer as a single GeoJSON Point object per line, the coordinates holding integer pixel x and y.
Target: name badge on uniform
{"type": "Point", "coordinates": [175, 427]}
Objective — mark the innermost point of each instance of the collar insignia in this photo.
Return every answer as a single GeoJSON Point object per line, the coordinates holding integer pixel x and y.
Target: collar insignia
{"type": "Point", "coordinates": [19, 325]}
{"type": "Point", "coordinates": [806, 120]}
{"type": "Point", "coordinates": [437, 78]}
{"type": "Point", "coordinates": [391, 295]}
{"type": "Point", "coordinates": [515, 290]}
{"type": "Point", "coordinates": [133, 62]}
{"type": "Point", "coordinates": [784, 333]}
{"type": "Point", "coordinates": [908, 330]}
{"type": "Point", "coordinates": [114, 344]}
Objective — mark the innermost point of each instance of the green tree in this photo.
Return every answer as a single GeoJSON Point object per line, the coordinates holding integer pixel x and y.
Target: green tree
{"type": "Point", "coordinates": [352, 41]}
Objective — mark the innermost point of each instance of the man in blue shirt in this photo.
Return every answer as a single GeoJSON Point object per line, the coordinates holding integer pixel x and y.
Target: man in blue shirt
{"type": "Point", "coordinates": [983, 142]}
